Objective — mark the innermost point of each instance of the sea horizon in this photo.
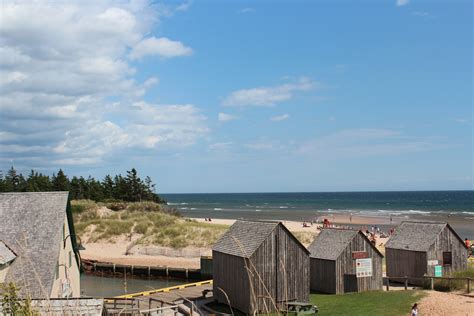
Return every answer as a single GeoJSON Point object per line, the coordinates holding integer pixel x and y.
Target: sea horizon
{"type": "Point", "coordinates": [389, 207]}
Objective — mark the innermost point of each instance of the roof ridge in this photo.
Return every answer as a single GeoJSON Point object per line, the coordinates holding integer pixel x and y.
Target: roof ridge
{"type": "Point", "coordinates": [260, 221]}
{"type": "Point", "coordinates": [424, 222]}
{"type": "Point", "coordinates": [37, 192]}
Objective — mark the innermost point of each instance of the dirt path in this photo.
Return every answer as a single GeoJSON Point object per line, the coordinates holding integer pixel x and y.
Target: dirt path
{"type": "Point", "coordinates": [440, 303]}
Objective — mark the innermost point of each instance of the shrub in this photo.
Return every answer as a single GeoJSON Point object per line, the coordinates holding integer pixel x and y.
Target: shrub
{"type": "Point", "coordinates": [11, 303]}
{"type": "Point", "coordinates": [453, 285]}
{"type": "Point", "coordinates": [115, 205]}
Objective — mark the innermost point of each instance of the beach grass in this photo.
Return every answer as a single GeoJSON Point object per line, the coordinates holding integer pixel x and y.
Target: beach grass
{"type": "Point", "coordinates": [367, 303]}
{"type": "Point", "coordinates": [154, 224]}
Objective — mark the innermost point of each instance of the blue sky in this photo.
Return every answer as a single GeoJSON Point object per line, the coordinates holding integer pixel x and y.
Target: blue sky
{"type": "Point", "coordinates": [247, 96]}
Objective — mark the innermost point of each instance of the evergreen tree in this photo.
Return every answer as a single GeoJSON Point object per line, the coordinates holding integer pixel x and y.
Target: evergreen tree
{"type": "Point", "coordinates": [60, 181]}
{"type": "Point", "coordinates": [12, 181]}
{"type": "Point", "coordinates": [2, 182]}
{"type": "Point", "coordinates": [75, 189]}
{"type": "Point", "coordinates": [135, 186]}
{"type": "Point", "coordinates": [130, 188]}
{"type": "Point", "coordinates": [108, 187]}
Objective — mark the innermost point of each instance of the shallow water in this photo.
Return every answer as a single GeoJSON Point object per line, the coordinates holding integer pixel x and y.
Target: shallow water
{"type": "Point", "coordinates": [97, 286]}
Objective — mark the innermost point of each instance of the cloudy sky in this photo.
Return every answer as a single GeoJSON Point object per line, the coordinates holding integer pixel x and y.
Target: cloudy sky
{"type": "Point", "coordinates": [241, 96]}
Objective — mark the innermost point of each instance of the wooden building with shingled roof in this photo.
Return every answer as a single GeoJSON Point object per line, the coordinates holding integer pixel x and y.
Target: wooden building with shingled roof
{"type": "Point", "coordinates": [344, 260]}
{"type": "Point", "coordinates": [38, 248]}
{"type": "Point", "coordinates": [259, 265]}
{"type": "Point", "coordinates": [417, 249]}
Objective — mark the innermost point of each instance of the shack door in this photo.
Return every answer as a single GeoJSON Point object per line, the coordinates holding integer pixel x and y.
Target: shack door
{"type": "Point", "coordinates": [350, 283]}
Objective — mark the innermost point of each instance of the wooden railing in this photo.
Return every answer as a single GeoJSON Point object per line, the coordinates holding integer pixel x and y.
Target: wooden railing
{"type": "Point", "coordinates": [432, 280]}
{"type": "Point", "coordinates": [167, 289]}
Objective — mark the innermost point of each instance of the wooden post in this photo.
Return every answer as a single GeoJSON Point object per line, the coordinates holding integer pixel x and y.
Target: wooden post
{"type": "Point", "coordinates": [468, 285]}
{"type": "Point", "coordinates": [449, 283]}
{"type": "Point", "coordinates": [406, 283]}
{"type": "Point", "coordinates": [388, 284]}
{"type": "Point", "coordinates": [431, 283]}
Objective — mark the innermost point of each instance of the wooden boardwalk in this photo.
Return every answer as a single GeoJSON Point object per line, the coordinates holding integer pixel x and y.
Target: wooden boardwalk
{"type": "Point", "coordinates": [182, 296]}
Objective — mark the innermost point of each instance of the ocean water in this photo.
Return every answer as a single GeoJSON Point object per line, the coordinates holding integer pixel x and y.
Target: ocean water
{"type": "Point", "coordinates": [297, 206]}
{"type": "Point", "coordinates": [455, 207]}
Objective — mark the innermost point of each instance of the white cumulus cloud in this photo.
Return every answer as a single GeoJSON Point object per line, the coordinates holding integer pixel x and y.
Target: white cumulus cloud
{"type": "Point", "coordinates": [70, 94]}
{"type": "Point", "coordinates": [162, 47]}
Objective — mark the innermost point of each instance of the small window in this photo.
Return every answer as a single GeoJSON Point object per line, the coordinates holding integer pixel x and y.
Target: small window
{"type": "Point", "coordinates": [70, 259]}
{"type": "Point", "coordinates": [447, 258]}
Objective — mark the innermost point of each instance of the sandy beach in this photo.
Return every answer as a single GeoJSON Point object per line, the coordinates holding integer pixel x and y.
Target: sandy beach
{"type": "Point", "coordinates": [115, 252]}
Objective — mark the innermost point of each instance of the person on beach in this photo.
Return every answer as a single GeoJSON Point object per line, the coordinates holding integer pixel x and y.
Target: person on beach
{"type": "Point", "coordinates": [468, 243]}
{"type": "Point", "coordinates": [414, 310]}
{"type": "Point", "coordinates": [373, 239]}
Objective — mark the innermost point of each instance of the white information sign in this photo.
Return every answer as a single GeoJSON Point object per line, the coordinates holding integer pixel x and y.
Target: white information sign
{"type": "Point", "coordinates": [364, 267]}
{"type": "Point", "coordinates": [432, 262]}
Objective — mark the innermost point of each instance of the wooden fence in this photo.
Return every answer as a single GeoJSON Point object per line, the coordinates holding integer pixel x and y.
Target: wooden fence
{"type": "Point", "coordinates": [431, 279]}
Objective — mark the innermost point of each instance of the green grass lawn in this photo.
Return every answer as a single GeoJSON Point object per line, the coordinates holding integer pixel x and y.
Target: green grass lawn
{"type": "Point", "coordinates": [368, 303]}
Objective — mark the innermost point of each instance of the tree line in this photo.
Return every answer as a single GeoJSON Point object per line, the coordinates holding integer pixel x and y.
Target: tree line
{"type": "Point", "coordinates": [130, 188]}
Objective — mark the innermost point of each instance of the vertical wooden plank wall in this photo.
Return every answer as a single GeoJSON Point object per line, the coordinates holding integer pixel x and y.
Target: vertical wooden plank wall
{"type": "Point", "coordinates": [323, 275]}
{"type": "Point", "coordinates": [230, 274]}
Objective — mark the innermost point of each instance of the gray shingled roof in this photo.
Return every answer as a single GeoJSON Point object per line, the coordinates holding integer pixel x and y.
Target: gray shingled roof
{"type": "Point", "coordinates": [244, 237]}
{"type": "Point", "coordinates": [330, 243]}
{"type": "Point", "coordinates": [416, 236]}
{"type": "Point", "coordinates": [59, 307]}
{"type": "Point", "coordinates": [31, 225]}
{"type": "Point", "coordinates": [6, 254]}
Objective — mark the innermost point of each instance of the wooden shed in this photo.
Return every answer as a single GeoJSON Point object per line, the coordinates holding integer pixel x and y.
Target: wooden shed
{"type": "Point", "coordinates": [344, 260]}
{"type": "Point", "coordinates": [257, 266]}
{"type": "Point", "coordinates": [421, 248]}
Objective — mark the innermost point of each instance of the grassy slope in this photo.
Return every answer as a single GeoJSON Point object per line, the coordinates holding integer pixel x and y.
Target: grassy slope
{"type": "Point", "coordinates": [148, 220]}
{"type": "Point", "coordinates": [368, 303]}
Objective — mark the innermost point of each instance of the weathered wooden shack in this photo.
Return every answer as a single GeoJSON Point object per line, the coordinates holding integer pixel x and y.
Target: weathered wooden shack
{"type": "Point", "coordinates": [419, 249]}
{"type": "Point", "coordinates": [37, 235]}
{"type": "Point", "coordinates": [257, 266]}
{"type": "Point", "coordinates": [344, 260]}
